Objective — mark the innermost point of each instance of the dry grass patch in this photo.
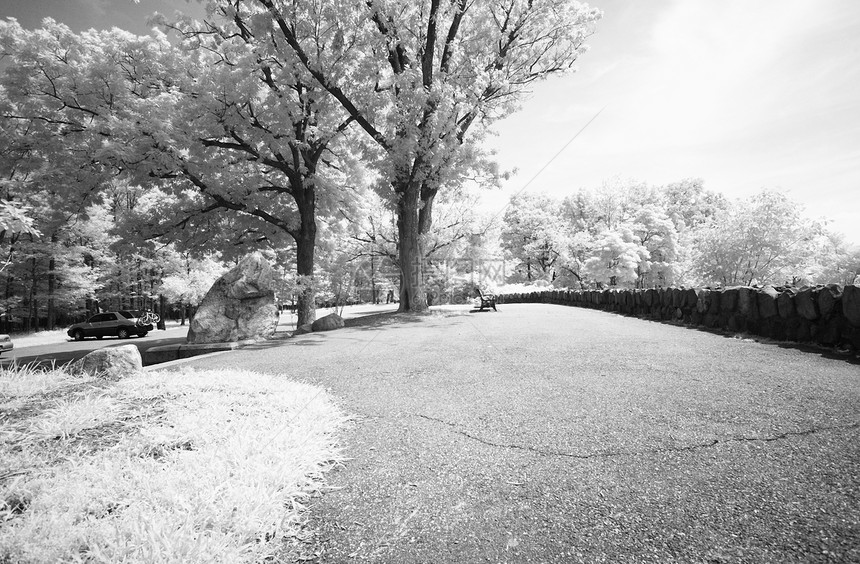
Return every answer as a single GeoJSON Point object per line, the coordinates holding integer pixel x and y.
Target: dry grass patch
{"type": "Point", "coordinates": [190, 466]}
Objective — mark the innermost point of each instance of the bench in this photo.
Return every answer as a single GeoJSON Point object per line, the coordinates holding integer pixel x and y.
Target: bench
{"type": "Point", "coordinates": [487, 300]}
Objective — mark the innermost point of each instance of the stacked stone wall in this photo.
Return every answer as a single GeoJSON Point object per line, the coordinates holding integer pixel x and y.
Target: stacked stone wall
{"type": "Point", "coordinates": [828, 315]}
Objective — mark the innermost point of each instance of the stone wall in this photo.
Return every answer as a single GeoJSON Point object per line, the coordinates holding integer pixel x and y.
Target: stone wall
{"type": "Point", "coordinates": [828, 315]}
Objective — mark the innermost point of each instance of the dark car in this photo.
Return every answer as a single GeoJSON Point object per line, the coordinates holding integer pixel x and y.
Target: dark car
{"type": "Point", "coordinates": [122, 324]}
{"type": "Point", "coordinates": [6, 343]}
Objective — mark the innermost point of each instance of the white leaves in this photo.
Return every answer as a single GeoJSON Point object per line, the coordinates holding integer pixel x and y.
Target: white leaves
{"type": "Point", "coordinates": [192, 280]}
{"type": "Point", "coordinates": [616, 258]}
{"type": "Point", "coordinates": [763, 238]}
{"type": "Point", "coordinates": [15, 218]}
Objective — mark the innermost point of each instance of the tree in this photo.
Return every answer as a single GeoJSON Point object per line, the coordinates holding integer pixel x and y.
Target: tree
{"type": "Point", "coordinates": [187, 280]}
{"type": "Point", "coordinates": [14, 220]}
{"type": "Point", "coordinates": [655, 232]}
{"type": "Point", "coordinates": [46, 162]}
{"type": "Point", "coordinates": [690, 205]}
{"type": "Point", "coordinates": [423, 80]}
{"type": "Point", "coordinates": [833, 261]}
{"type": "Point", "coordinates": [220, 122]}
{"type": "Point", "coordinates": [256, 132]}
{"type": "Point", "coordinates": [536, 237]}
{"type": "Point", "coordinates": [454, 249]}
{"type": "Point", "coordinates": [616, 258]}
{"type": "Point", "coordinates": [763, 239]}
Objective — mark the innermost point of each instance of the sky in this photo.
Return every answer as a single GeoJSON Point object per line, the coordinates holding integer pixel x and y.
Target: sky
{"type": "Point", "coordinates": [743, 94]}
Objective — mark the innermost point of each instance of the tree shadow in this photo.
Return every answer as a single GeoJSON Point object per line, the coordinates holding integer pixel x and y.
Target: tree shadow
{"type": "Point", "coordinates": [385, 319]}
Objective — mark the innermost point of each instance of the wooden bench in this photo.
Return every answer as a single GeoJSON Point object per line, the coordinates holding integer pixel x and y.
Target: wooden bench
{"type": "Point", "coordinates": [487, 300]}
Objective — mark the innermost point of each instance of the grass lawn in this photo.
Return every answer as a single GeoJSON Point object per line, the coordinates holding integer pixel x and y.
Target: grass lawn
{"type": "Point", "coordinates": [182, 466]}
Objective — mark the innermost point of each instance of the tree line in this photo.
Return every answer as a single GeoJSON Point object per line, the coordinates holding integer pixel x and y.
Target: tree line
{"type": "Point", "coordinates": [631, 234]}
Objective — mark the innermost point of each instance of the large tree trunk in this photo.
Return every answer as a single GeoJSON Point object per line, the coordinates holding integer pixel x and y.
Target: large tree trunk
{"type": "Point", "coordinates": [306, 307]}
{"type": "Point", "coordinates": [410, 251]}
{"type": "Point", "coordinates": [305, 238]}
{"type": "Point", "coordinates": [52, 288]}
{"type": "Point", "coordinates": [33, 313]}
{"type": "Point", "coordinates": [162, 312]}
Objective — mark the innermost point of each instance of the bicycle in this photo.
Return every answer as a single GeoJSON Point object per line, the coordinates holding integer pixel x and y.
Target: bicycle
{"type": "Point", "coordinates": [148, 318]}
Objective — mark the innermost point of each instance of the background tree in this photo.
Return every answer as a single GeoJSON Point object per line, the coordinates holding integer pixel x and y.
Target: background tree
{"type": "Point", "coordinates": [455, 252]}
{"type": "Point", "coordinates": [535, 237]}
{"type": "Point", "coordinates": [833, 261]}
{"type": "Point", "coordinates": [617, 258]}
{"type": "Point", "coordinates": [656, 233]}
{"type": "Point", "coordinates": [187, 280]}
{"type": "Point", "coordinates": [220, 122]}
{"type": "Point", "coordinates": [764, 238]}
{"type": "Point", "coordinates": [423, 80]}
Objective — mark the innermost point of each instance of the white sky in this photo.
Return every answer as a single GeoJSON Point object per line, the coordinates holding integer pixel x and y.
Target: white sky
{"type": "Point", "coordinates": [746, 94]}
{"type": "Point", "coordinates": [743, 94]}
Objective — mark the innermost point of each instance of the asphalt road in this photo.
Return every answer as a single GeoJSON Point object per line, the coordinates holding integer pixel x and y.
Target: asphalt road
{"type": "Point", "coordinates": [551, 434]}
{"type": "Point", "coordinates": [66, 351]}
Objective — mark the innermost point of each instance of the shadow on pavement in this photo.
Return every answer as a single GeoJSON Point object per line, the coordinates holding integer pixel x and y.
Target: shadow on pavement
{"type": "Point", "coordinates": [850, 358]}
{"type": "Point", "coordinates": [377, 320]}
{"type": "Point", "coordinates": [830, 353]}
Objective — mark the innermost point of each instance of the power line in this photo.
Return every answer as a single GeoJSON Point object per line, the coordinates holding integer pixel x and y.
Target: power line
{"type": "Point", "coordinates": [550, 161]}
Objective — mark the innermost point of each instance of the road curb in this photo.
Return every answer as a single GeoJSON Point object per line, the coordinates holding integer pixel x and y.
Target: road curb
{"type": "Point", "coordinates": [179, 361]}
{"type": "Point", "coordinates": [167, 353]}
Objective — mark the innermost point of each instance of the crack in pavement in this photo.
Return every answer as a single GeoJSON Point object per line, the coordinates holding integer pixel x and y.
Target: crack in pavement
{"type": "Point", "coordinates": [610, 454]}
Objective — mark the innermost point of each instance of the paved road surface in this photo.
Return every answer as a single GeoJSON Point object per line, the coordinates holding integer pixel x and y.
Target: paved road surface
{"type": "Point", "coordinates": [68, 350]}
{"type": "Point", "coordinates": [550, 434]}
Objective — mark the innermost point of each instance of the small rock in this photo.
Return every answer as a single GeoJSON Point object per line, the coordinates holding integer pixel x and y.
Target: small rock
{"type": "Point", "coordinates": [327, 323]}
{"type": "Point", "coordinates": [111, 363]}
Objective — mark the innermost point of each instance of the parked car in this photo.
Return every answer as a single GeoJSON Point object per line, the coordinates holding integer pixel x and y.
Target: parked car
{"type": "Point", "coordinates": [122, 324]}
{"type": "Point", "coordinates": [6, 343]}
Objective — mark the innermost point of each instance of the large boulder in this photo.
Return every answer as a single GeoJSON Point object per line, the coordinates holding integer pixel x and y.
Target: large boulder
{"type": "Point", "coordinates": [111, 363]}
{"type": "Point", "coordinates": [747, 304]}
{"type": "Point", "coordinates": [689, 298]}
{"type": "Point", "coordinates": [766, 299]}
{"type": "Point", "coordinates": [240, 305]}
{"type": "Point", "coordinates": [806, 302]}
{"type": "Point", "coordinates": [327, 323]}
{"type": "Point", "coordinates": [851, 304]}
{"type": "Point", "coordinates": [785, 304]}
{"type": "Point", "coordinates": [828, 299]}
{"type": "Point", "coordinates": [704, 302]}
{"type": "Point", "coordinates": [716, 301]}
{"type": "Point", "coordinates": [729, 299]}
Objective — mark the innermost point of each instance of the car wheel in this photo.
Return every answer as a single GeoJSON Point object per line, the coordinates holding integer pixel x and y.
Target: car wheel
{"type": "Point", "coordinates": [122, 333]}
{"type": "Point", "coordinates": [143, 334]}
{"type": "Point", "coordinates": [99, 337]}
{"type": "Point", "coordinates": [78, 335]}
